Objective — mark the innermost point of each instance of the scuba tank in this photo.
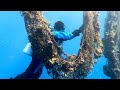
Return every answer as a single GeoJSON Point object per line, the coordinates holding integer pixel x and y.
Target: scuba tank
{"type": "Point", "coordinates": [28, 50]}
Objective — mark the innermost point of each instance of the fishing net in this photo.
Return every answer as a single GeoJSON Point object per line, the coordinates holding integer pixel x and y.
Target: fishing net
{"type": "Point", "coordinates": [45, 47]}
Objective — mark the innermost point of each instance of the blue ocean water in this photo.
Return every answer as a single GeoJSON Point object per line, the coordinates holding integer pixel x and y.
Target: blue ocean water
{"type": "Point", "coordinates": [13, 38]}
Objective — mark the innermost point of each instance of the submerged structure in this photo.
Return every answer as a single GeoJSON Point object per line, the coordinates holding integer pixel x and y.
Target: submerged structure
{"type": "Point", "coordinates": [112, 45]}
{"type": "Point", "coordinates": [45, 47]}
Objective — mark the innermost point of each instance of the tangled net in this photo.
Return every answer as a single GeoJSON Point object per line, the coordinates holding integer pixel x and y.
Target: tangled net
{"type": "Point", "coordinates": [73, 67]}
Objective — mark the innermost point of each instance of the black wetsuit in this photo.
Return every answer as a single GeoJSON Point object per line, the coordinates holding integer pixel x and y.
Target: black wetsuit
{"type": "Point", "coordinates": [32, 72]}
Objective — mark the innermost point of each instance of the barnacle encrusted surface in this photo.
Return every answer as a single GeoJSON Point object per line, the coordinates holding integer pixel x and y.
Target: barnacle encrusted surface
{"type": "Point", "coordinates": [37, 29]}
{"type": "Point", "coordinates": [112, 44]}
{"type": "Point", "coordinates": [74, 66]}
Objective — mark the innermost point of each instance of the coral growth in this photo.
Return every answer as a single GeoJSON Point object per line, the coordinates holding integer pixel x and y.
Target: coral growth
{"type": "Point", "coordinates": [112, 45]}
{"type": "Point", "coordinates": [37, 29]}
{"type": "Point", "coordinates": [73, 67]}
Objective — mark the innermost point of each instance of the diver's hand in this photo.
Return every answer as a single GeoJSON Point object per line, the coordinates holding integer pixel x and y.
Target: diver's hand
{"type": "Point", "coordinates": [76, 32]}
{"type": "Point", "coordinates": [81, 29]}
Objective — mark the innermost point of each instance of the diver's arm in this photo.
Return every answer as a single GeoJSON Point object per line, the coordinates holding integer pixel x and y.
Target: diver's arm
{"type": "Point", "coordinates": [67, 36]}
{"type": "Point", "coordinates": [63, 36]}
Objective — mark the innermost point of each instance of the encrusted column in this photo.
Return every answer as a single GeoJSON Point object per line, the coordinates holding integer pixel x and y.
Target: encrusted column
{"type": "Point", "coordinates": [112, 44]}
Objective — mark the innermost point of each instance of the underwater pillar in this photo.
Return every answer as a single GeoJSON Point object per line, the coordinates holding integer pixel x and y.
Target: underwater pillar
{"type": "Point", "coordinates": [111, 43]}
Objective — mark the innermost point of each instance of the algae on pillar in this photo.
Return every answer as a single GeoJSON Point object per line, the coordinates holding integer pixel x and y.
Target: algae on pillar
{"type": "Point", "coordinates": [112, 44]}
{"type": "Point", "coordinates": [38, 33]}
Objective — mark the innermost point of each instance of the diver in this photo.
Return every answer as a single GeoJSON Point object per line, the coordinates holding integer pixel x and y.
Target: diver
{"type": "Point", "coordinates": [36, 66]}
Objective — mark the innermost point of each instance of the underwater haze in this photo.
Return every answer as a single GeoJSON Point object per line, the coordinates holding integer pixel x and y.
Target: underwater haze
{"type": "Point", "coordinates": [13, 39]}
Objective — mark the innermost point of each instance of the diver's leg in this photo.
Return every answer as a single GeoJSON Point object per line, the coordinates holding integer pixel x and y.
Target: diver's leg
{"type": "Point", "coordinates": [33, 71]}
